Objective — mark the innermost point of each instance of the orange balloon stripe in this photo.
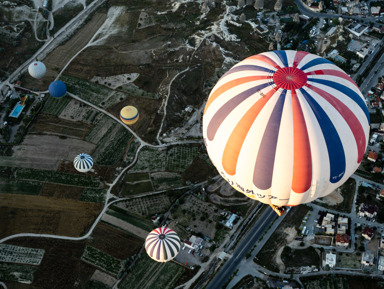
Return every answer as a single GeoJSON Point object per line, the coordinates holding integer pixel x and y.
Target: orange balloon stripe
{"type": "Point", "coordinates": [265, 59]}
{"type": "Point", "coordinates": [302, 160]}
{"type": "Point", "coordinates": [231, 84]}
{"type": "Point", "coordinates": [238, 135]}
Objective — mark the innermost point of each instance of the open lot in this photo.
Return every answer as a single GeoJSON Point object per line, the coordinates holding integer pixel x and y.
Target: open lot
{"type": "Point", "coordinates": [45, 151]}
{"type": "Point", "coordinates": [40, 214]}
{"type": "Point", "coordinates": [348, 260]}
{"type": "Point", "coordinates": [300, 257]}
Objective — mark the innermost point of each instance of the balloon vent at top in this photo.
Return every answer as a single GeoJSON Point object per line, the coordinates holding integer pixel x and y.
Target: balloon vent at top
{"type": "Point", "coordinates": [83, 163]}
{"type": "Point", "coordinates": [162, 244]}
{"type": "Point", "coordinates": [37, 69]}
{"type": "Point", "coordinates": [129, 114]}
{"type": "Point", "coordinates": [286, 127]}
{"type": "Point", "coordinates": [57, 89]}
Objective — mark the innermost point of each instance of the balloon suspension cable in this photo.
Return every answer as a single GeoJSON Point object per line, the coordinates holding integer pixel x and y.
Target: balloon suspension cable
{"type": "Point", "coordinates": [279, 210]}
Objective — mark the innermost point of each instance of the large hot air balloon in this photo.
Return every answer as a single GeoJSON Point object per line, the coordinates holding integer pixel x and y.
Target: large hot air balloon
{"type": "Point", "coordinates": [57, 89]}
{"type": "Point", "coordinates": [286, 127]}
{"type": "Point", "coordinates": [129, 114]}
{"type": "Point", "coordinates": [162, 244]}
{"type": "Point", "coordinates": [83, 163]}
{"type": "Point", "coordinates": [37, 69]}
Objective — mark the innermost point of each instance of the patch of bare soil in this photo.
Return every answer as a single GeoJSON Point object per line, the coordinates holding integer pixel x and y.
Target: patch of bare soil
{"type": "Point", "coordinates": [45, 151]}
{"type": "Point", "coordinates": [45, 215]}
{"type": "Point", "coordinates": [50, 124]}
{"type": "Point", "coordinates": [61, 191]}
{"type": "Point", "coordinates": [332, 199]}
{"type": "Point", "coordinates": [227, 190]}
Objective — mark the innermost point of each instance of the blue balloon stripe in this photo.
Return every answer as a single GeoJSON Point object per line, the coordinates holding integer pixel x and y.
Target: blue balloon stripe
{"type": "Point", "coordinates": [335, 148]}
{"type": "Point", "coordinates": [248, 67]}
{"type": "Point", "coordinates": [347, 91]}
{"type": "Point", "coordinates": [283, 56]}
{"type": "Point", "coordinates": [316, 61]}
{"type": "Point", "coordinates": [263, 172]}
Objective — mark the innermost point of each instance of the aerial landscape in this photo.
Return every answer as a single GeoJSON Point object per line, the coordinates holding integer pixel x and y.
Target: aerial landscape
{"type": "Point", "coordinates": [174, 144]}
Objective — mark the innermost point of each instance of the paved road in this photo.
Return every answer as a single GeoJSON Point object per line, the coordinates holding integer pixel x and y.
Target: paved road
{"type": "Point", "coordinates": [245, 246]}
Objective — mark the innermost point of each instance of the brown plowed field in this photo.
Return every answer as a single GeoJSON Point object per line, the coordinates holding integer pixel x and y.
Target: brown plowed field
{"type": "Point", "coordinates": [61, 191]}
{"type": "Point", "coordinates": [41, 214]}
{"type": "Point", "coordinates": [49, 124]}
{"type": "Point", "coordinates": [59, 57]}
{"type": "Point", "coordinates": [61, 267]}
{"type": "Point", "coordinates": [114, 242]}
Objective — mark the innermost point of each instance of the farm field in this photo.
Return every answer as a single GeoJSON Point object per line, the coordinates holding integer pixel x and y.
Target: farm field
{"type": "Point", "coordinates": [60, 56]}
{"type": "Point", "coordinates": [89, 91]}
{"type": "Point", "coordinates": [58, 191]}
{"type": "Point", "coordinates": [335, 281]}
{"type": "Point", "coordinates": [55, 106]}
{"type": "Point", "coordinates": [45, 152]}
{"type": "Point", "coordinates": [180, 157]}
{"type": "Point", "coordinates": [40, 214]}
{"type": "Point", "coordinates": [61, 266]}
{"type": "Point", "coordinates": [136, 188]}
{"type": "Point", "coordinates": [137, 221]}
{"type": "Point", "coordinates": [49, 124]}
{"type": "Point", "coordinates": [165, 180]}
{"type": "Point", "coordinates": [115, 242]}
{"type": "Point", "coordinates": [19, 187]}
{"type": "Point", "coordinates": [150, 158]}
{"type": "Point", "coordinates": [102, 260]}
{"type": "Point", "coordinates": [147, 206]}
{"type": "Point", "coordinates": [150, 274]}
{"type": "Point", "coordinates": [57, 177]}
{"type": "Point", "coordinates": [11, 272]}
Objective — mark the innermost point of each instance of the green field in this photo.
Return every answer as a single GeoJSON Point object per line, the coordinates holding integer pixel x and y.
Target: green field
{"type": "Point", "coordinates": [150, 274]}
{"type": "Point", "coordinates": [102, 123]}
{"type": "Point", "coordinates": [19, 187]}
{"type": "Point", "coordinates": [57, 177]}
{"type": "Point", "coordinates": [55, 105]}
{"type": "Point", "coordinates": [180, 157]}
{"type": "Point", "coordinates": [102, 260]}
{"type": "Point", "coordinates": [163, 181]}
{"type": "Point", "coordinates": [137, 188]}
{"type": "Point", "coordinates": [150, 158]}
{"type": "Point", "coordinates": [93, 195]}
{"type": "Point", "coordinates": [130, 218]}
{"type": "Point", "coordinates": [86, 90]}
{"type": "Point", "coordinates": [17, 272]}
{"type": "Point", "coordinates": [300, 257]}
{"type": "Point", "coordinates": [131, 152]}
{"type": "Point", "coordinates": [135, 177]}
{"type": "Point", "coordinates": [111, 147]}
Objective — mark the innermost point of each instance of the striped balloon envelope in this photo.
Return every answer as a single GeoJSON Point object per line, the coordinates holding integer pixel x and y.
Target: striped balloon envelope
{"type": "Point", "coordinates": [162, 244]}
{"type": "Point", "coordinates": [286, 127]}
{"type": "Point", "coordinates": [83, 163]}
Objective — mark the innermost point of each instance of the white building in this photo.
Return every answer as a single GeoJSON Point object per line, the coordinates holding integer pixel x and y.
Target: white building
{"type": "Point", "coordinates": [367, 258]}
{"type": "Point", "coordinates": [330, 260]}
{"type": "Point", "coordinates": [381, 263]}
{"type": "Point", "coordinates": [229, 222]}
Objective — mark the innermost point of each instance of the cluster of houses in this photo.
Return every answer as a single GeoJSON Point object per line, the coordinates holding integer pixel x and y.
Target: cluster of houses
{"type": "Point", "coordinates": [332, 226]}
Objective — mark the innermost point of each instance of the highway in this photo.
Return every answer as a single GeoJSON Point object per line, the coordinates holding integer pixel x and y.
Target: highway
{"type": "Point", "coordinates": [245, 246]}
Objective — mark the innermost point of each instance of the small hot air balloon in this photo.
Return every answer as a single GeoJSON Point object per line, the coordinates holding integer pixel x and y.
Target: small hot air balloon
{"type": "Point", "coordinates": [286, 127]}
{"type": "Point", "coordinates": [129, 114]}
{"type": "Point", "coordinates": [83, 163]}
{"type": "Point", "coordinates": [162, 244]}
{"type": "Point", "coordinates": [37, 69]}
{"type": "Point", "coordinates": [57, 89]}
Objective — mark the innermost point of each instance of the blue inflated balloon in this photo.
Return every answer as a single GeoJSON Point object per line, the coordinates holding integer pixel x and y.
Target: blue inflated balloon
{"type": "Point", "coordinates": [57, 89]}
